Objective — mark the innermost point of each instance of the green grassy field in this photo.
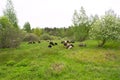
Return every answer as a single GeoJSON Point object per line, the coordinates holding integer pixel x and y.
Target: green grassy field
{"type": "Point", "coordinates": [38, 62]}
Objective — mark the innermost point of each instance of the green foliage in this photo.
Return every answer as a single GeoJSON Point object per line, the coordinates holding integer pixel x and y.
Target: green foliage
{"type": "Point", "coordinates": [52, 31]}
{"type": "Point", "coordinates": [45, 37]}
{"type": "Point", "coordinates": [80, 33]}
{"type": "Point", "coordinates": [38, 62]}
{"type": "Point", "coordinates": [80, 18]}
{"type": "Point", "coordinates": [69, 33]}
{"type": "Point", "coordinates": [4, 22]}
{"type": "Point", "coordinates": [10, 63]}
{"type": "Point", "coordinates": [106, 28]}
{"type": "Point", "coordinates": [10, 13]}
{"type": "Point", "coordinates": [9, 36]}
{"type": "Point", "coordinates": [27, 27]}
{"type": "Point", "coordinates": [23, 63]}
{"type": "Point", "coordinates": [31, 37]}
{"type": "Point", "coordinates": [62, 32]}
{"type": "Point", "coordinates": [37, 31]}
{"type": "Point", "coordinates": [81, 25]}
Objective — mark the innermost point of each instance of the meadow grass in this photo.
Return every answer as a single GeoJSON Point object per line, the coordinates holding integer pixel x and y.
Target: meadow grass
{"type": "Point", "coordinates": [38, 62]}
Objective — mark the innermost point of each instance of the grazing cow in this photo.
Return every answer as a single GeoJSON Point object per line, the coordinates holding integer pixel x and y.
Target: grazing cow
{"type": "Point", "coordinates": [65, 44]}
{"type": "Point", "coordinates": [82, 45]}
{"type": "Point", "coordinates": [51, 43]}
{"type": "Point", "coordinates": [56, 43]}
{"type": "Point", "coordinates": [49, 46]}
{"type": "Point", "coordinates": [69, 46]}
{"type": "Point", "coordinates": [72, 45]}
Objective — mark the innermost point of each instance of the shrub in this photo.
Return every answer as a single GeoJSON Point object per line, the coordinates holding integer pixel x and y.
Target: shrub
{"type": "Point", "coordinates": [31, 37]}
{"type": "Point", "coordinates": [9, 36]}
{"type": "Point", "coordinates": [46, 37]}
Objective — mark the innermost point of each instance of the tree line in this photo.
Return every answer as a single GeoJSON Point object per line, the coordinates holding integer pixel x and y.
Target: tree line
{"type": "Point", "coordinates": [102, 28]}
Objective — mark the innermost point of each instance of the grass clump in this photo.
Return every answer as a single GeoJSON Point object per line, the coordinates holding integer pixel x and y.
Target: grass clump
{"type": "Point", "coordinates": [11, 63]}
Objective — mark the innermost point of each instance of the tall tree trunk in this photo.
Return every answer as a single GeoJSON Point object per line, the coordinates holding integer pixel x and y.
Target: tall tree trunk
{"type": "Point", "coordinates": [102, 43]}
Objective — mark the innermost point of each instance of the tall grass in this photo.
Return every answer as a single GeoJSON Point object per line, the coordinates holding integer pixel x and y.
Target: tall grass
{"type": "Point", "coordinates": [38, 62]}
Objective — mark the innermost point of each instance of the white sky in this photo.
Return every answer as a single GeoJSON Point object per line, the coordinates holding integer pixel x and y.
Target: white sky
{"type": "Point", "coordinates": [57, 13]}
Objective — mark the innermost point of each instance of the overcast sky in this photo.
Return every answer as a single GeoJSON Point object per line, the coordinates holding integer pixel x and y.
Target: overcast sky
{"type": "Point", "coordinates": [57, 13]}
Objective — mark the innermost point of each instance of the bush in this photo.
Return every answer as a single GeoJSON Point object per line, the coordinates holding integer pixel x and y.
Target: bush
{"type": "Point", "coordinates": [31, 37]}
{"type": "Point", "coordinates": [9, 36]}
{"type": "Point", "coordinates": [46, 37]}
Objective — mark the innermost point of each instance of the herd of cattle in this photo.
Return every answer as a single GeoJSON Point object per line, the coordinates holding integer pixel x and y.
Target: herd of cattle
{"type": "Point", "coordinates": [66, 43]}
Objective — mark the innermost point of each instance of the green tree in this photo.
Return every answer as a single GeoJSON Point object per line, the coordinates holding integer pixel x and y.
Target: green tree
{"type": "Point", "coordinates": [62, 32]}
{"type": "Point", "coordinates": [37, 31]}
{"type": "Point", "coordinates": [10, 13]}
{"type": "Point", "coordinates": [69, 33]}
{"type": "Point", "coordinates": [106, 28]}
{"type": "Point", "coordinates": [9, 35]}
{"type": "Point", "coordinates": [27, 27]}
{"type": "Point", "coordinates": [81, 25]}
